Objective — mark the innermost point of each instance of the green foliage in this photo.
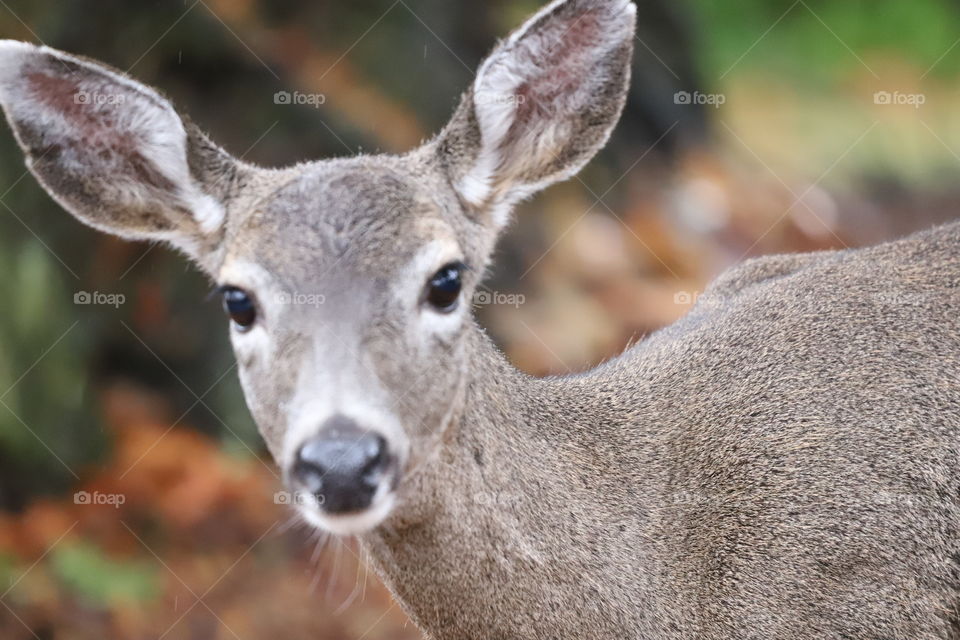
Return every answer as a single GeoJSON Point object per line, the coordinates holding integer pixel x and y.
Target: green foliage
{"type": "Point", "coordinates": [814, 39]}
{"type": "Point", "coordinates": [43, 382]}
{"type": "Point", "coordinates": [86, 571]}
{"type": "Point", "coordinates": [8, 569]}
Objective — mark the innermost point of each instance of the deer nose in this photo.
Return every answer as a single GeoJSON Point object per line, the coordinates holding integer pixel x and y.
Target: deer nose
{"type": "Point", "coordinates": [342, 467]}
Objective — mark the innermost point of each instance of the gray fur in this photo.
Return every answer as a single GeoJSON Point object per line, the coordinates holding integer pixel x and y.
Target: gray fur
{"type": "Point", "coordinates": [781, 463]}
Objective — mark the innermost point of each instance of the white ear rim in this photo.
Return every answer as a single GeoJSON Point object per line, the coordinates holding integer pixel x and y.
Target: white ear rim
{"type": "Point", "coordinates": [495, 114]}
{"type": "Point", "coordinates": [167, 141]}
{"type": "Point", "coordinates": [12, 50]}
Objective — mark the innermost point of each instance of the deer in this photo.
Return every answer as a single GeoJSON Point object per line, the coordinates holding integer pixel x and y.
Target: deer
{"type": "Point", "coordinates": [782, 462]}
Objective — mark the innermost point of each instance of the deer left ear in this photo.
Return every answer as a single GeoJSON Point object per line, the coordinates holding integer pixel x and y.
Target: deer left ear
{"type": "Point", "coordinates": [543, 103]}
{"type": "Point", "coordinates": [112, 151]}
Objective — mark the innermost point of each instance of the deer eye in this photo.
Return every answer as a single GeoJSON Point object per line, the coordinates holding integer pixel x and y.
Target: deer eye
{"type": "Point", "coordinates": [443, 289]}
{"type": "Point", "coordinates": [239, 306]}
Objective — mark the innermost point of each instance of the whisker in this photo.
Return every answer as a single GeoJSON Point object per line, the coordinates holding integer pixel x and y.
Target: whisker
{"type": "Point", "coordinates": [323, 537]}
{"type": "Point", "coordinates": [293, 521]}
{"type": "Point", "coordinates": [335, 571]}
{"type": "Point", "coordinates": [363, 552]}
{"type": "Point", "coordinates": [353, 593]}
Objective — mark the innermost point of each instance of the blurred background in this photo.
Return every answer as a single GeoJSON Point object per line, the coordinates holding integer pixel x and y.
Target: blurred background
{"type": "Point", "coordinates": [136, 498]}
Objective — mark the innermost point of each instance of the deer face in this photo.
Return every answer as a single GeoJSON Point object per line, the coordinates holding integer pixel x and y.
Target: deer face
{"type": "Point", "coordinates": [348, 282]}
{"type": "Point", "coordinates": [349, 294]}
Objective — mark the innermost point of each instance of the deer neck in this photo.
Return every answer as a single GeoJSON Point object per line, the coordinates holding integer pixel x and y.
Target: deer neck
{"type": "Point", "coordinates": [496, 518]}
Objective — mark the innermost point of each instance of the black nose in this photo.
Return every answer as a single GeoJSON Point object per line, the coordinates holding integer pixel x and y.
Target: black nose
{"type": "Point", "coordinates": [342, 466]}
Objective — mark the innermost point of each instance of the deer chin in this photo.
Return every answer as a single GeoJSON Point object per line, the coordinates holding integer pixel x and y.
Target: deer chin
{"type": "Point", "coordinates": [351, 524]}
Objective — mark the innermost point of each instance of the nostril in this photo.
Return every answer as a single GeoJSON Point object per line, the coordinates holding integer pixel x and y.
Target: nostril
{"type": "Point", "coordinates": [376, 460]}
{"type": "Point", "coordinates": [308, 475]}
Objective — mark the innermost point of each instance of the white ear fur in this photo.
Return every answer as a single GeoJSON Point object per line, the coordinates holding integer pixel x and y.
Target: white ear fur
{"type": "Point", "coordinates": [107, 148]}
{"type": "Point", "coordinates": [532, 95]}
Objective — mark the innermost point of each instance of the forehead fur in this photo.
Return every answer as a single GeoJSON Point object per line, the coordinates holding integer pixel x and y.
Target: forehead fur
{"type": "Point", "coordinates": [367, 214]}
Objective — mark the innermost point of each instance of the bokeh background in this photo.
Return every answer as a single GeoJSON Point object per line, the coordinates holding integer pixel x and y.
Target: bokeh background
{"type": "Point", "coordinates": [760, 127]}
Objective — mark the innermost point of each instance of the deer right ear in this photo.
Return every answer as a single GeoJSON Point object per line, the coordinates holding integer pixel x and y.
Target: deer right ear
{"type": "Point", "coordinates": [112, 151]}
{"type": "Point", "coordinates": [543, 104]}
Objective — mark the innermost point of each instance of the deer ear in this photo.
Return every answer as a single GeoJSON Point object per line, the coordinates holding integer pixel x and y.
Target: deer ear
{"type": "Point", "coordinates": [543, 103]}
{"type": "Point", "coordinates": [112, 151]}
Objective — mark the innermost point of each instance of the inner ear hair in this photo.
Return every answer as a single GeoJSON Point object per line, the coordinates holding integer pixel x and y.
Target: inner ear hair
{"type": "Point", "coordinates": [544, 102]}
{"type": "Point", "coordinates": [113, 151]}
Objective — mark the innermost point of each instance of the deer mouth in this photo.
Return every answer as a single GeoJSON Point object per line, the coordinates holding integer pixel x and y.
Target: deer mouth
{"type": "Point", "coordinates": [352, 523]}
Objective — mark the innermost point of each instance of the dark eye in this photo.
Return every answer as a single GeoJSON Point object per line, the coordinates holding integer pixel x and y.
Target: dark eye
{"type": "Point", "coordinates": [443, 290]}
{"type": "Point", "coordinates": [239, 306]}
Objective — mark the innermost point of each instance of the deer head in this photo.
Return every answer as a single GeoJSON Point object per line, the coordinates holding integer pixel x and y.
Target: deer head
{"type": "Point", "coordinates": [348, 281]}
